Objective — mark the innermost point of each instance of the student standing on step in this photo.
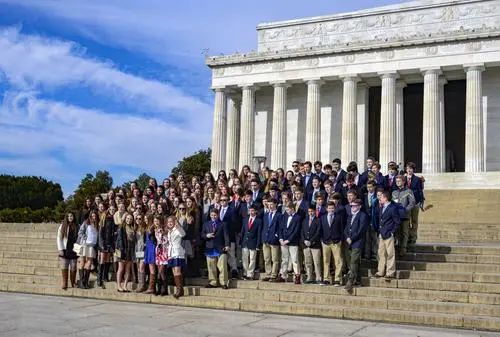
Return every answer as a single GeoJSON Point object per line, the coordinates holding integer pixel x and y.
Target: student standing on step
{"type": "Point", "coordinates": [161, 256]}
{"type": "Point", "coordinates": [217, 245]}
{"type": "Point", "coordinates": [388, 223]}
{"type": "Point", "coordinates": [404, 196]}
{"type": "Point", "coordinates": [106, 244]}
{"type": "Point", "coordinates": [355, 232]}
{"type": "Point", "coordinates": [370, 204]}
{"type": "Point", "coordinates": [415, 184]}
{"type": "Point", "coordinates": [332, 227]}
{"type": "Point", "coordinates": [67, 234]}
{"type": "Point", "coordinates": [87, 238]}
{"type": "Point", "coordinates": [289, 235]}
{"type": "Point", "coordinates": [125, 250]}
{"type": "Point", "coordinates": [311, 243]}
{"type": "Point", "coordinates": [176, 252]}
{"type": "Point", "coordinates": [150, 255]}
{"type": "Point", "coordinates": [270, 241]}
{"type": "Point", "coordinates": [140, 246]}
{"type": "Point", "coordinates": [250, 242]}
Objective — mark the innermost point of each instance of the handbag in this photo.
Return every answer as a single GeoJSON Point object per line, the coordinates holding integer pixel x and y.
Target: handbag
{"type": "Point", "coordinates": [139, 255]}
{"type": "Point", "coordinates": [118, 253]}
{"type": "Point", "coordinates": [78, 249]}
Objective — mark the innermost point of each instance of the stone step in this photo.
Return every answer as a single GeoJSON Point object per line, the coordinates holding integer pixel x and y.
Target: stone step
{"type": "Point", "coordinates": [29, 227]}
{"type": "Point", "coordinates": [458, 249]}
{"type": "Point", "coordinates": [290, 308]}
{"type": "Point", "coordinates": [450, 257]}
{"type": "Point", "coordinates": [445, 276]}
{"type": "Point", "coordinates": [29, 235]}
{"type": "Point", "coordinates": [29, 255]}
{"type": "Point", "coordinates": [447, 266]}
{"type": "Point", "coordinates": [390, 292]}
{"type": "Point", "coordinates": [489, 288]}
{"type": "Point", "coordinates": [42, 248]}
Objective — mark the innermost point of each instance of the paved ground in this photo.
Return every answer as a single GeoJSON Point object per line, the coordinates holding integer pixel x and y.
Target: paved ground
{"type": "Point", "coordinates": [32, 315]}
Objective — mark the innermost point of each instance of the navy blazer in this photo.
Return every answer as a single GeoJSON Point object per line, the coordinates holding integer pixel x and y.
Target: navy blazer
{"type": "Point", "coordinates": [250, 238]}
{"type": "Point", "coordinates": [308, 188]}
{"type": "Point", "coordinates": [230, 219]}
{"type": "Point", "coordinates": [390, 184]}
{"type": "Point", "coordinates": [417, 187]}
{"type": "Point", "coordinates": [302, 210]}
{"type": "Point", "coordinates": [388, 221]}
{"type": "Point", "coordinates": [221, 238]}
{"type": "Point", "coordinates": [341, 175]}
{"type": "Point", "coordinates": [357, 230]}
{"type": "Point", "coordinates": [292, 232]}
{"type": "Point", "coordinates": [311, 233]}
{"type": "Point", "coordinates": [270, 231]}
{"type": "Point", "coordinates": [237, 218]}
{"type": "Point", "coordinates": [333, 233]}
{"type": "Point", "coordinates": [380, 180]}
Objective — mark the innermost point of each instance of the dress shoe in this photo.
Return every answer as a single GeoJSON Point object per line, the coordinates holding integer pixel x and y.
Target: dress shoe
{"type": "Point", "coordinates": [297, 279]}
{"type": "Point", "coordinates": [266, 279]}
{"type": "Point", "coordinates": [349, 285]}
{"type": "Point", "coordinates": [377, 275]}
{"type": "Point", "coordinates": [225, 287]}
{"type": "Point", "coordinates": [325, 283]}
{"type": "Point", "coordinates": [279, 279]}
{"type": "Point", "coordinates": [235, 275]}
{"type": "Point", "coordinates": [210, 286]}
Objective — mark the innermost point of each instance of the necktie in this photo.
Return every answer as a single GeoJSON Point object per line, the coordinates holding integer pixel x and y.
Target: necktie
{"type": "Point", "coordinates": [270, 217]}
{"type": "Point", "coordinates": [222, 213]}
{"type": "Point", "coordinates": [310, 220]}
{"type": "Point", "coordinates": [317, 212]}
{"type": "Point", "coordinates": [409, 181]}
{"type": "Point", "coordinates": [330, 219]}
{"type": "Point", "coordinates": [214, 226]}
{"type": "Point", "coordinates": [250, 223]}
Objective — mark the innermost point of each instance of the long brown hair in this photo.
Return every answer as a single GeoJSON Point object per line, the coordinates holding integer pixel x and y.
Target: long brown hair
{"type": "Point", "coordinates": [97, 218]}
{"type": "Point", "coordinates": [68, 226]}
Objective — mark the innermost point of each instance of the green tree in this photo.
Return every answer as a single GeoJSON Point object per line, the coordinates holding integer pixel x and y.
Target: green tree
{"type": "Point", "coordinates": [28, 192]}
{"type": "Point", "coordinates": [142, 181]}
{"type": "Point", "coordinates": [194, 165]}
{"type": "Point", "coordinates": [90, 186]}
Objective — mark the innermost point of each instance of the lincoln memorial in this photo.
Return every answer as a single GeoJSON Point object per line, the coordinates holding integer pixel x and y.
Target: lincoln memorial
{"type": "Point", "coordinates": [418, 81]}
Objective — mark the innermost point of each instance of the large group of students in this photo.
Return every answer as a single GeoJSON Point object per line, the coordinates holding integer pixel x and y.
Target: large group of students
{"type": "Point", "coordinates": [313, 224]}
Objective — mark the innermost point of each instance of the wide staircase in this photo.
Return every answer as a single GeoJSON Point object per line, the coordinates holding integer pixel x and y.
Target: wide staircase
{"type": "Point", "coordinates": [454, 284]}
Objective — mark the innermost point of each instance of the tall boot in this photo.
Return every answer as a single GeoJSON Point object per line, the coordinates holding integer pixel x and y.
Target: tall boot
{"type": "Point", "coordinates": [100, 274]}
{"type": "Point", "coordinates": [64, 273]}
{"type": "Point", "coordinates": [86, 277]}
{"type": "Point", "coordinates": [164, 287]}
{"type": "Point", "coordinates": [151, 288]}
{"type": "Point", "coordinates": [81, 279]}
{"type": "Point", "coordinates": [179, 289]}
{"type": "Point", "coordinates": [107, 265]}
{"type": "Point", "coordinates": [72, 277]}
{"type": "Point", "coordinates": [141, 286]}
{"type": "Point", "coordinates": [102, 270]}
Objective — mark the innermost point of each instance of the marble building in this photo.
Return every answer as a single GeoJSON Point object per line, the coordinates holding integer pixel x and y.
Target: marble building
{"type": "Point", "coordinates": [416, 81]}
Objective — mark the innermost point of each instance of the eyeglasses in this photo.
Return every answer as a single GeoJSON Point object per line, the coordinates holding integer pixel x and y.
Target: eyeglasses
{"type": "Point", "coordinates": [295, 165]}
{"type": "Point", "coordinates": [182, 209]}
{"type": "Point", "coordinates": [223, 200]}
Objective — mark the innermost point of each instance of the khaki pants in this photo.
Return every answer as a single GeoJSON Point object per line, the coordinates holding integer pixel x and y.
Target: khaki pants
{"type": "Point", "coordinates": [289, 254]}
{"type": "Point", "coordinates": [312, 258]}
{"type": "Point", "coordinates": [220, 264]}
{"type": "Point", "coordinates": [234, 253]}
{"type": "Point", "coordinates": [271, 259]}
{"type": "Point", "coordinates": [386, 257]}
{"type": "Point", "coordinates": [402, 234]}
{"type": "Point", "coordinates": [335, 250]}
{"type": "Point", "coordinates": [249, 260]}
{"type": "Point", "coordinates": [413, 232]}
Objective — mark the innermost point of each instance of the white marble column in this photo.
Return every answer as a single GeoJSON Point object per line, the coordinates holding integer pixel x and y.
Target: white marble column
{"type": "Point", "coordinates": [431, 141]}
{"type": "Point", "coordinates": [349, 146]}
{"type": "Point", "coordinates": [474, 129]}
{"type": "Point", "coordinates": [219, 132]}
{"type": "Point", "coordinates": [278, 145]}
{"type": "Point", "coordinates": [388, 119]}
{"type": "Point", "coordinates": [233, 133]}
{"type": "Point", "coordinates": [247, 131]}
{"type": "Point", "coordinates": [313, 122]}
{"type": "Point", "coordinates": [442, 130]}
{"type": "Point", "coordinates": [362, 111]}
{"type": "Point", "coordinates": [400, 125]}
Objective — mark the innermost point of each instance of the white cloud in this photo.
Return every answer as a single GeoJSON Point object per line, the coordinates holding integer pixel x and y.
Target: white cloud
{"type": "Point", "coordinates": [54, 138]}
{"type": "Point", "coordinates": [33, 62]}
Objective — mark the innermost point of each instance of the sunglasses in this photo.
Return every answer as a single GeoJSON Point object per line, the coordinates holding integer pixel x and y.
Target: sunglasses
{"type": "Point", "coordinates": [223, 200]}
{"type": "Point", "coordinates": [182, 209]}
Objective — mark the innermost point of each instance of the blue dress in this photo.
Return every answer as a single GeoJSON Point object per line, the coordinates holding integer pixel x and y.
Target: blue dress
{"type": "Point", "coordinates": [150, 251]}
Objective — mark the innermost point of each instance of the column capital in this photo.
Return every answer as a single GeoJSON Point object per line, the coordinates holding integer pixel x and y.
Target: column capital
{"type": "Point", "coordinates": [314, 80]}
{"type": "Point", "coordinates": [363, 85]}
{"type": "Point", "coordinates": [400, 84]}
{"type": "Point", "coordinates": [283, 84]}
{"type": "Point", "coordinates": [442, 80]}
{"type": "Point", "coordinates": [432, 70]}
{"type": "Point", "coordinates": [220, 89]}
{"type": "Point", "coordinates": [388, 74]}
{"type": "Point", "coordinates": [350, 77]}
{"type": "Point", "coordinates": [248, 87]}
{"type": "Point", "coordinates": [474, 66]}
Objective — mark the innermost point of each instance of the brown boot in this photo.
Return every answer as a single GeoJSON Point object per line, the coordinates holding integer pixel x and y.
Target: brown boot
{"type": "Point", "coordinates": [179, 289]}
{"type": "Point", "coordinates": [151, 288]}
{"type": "Point", "coordinates": [72, 277]}
{"type": "Point", "coordinates": [141, 286]}
{"type": "Point", "coordinates": [64, 273]}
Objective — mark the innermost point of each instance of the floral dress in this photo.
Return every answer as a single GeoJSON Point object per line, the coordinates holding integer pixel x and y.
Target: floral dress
{"type": "Point", "coordinates": [161, 247]}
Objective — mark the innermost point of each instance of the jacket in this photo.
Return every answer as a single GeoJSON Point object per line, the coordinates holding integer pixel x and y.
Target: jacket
{"type": "Point", "coordinates": [333, 233]}
{"type": "Point", "coordinates": [311, 233]}
{"type": "Point", "coordinates": [106, 238]}
{"type": "Point", "coordinates": [251, 238]}
{"type": "Point", "coordinates": [175, 237]}
{"type": "Point", "coordinates": [416, 185]}
{"type": "Point", "coordinates": [291, 232]}
{"type": "Point", "coordinates": [66, 244]}
{"type": "Point", "coordinates": [388, 221]}
{"type": "Point", "coordinates": [221, 238]}
{"type": "Point", "coordinates": [270, 231]}
{"type": "Point", "coordinates": [356, 229]}
{"type": "Point", "coordinates": [122, 244]}
{"type": "Point", "coordinates": [405, 197]}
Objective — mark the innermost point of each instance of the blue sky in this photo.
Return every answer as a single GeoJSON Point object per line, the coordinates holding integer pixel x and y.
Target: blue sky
{"type": "Point", "coordinates": [119, 85]}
